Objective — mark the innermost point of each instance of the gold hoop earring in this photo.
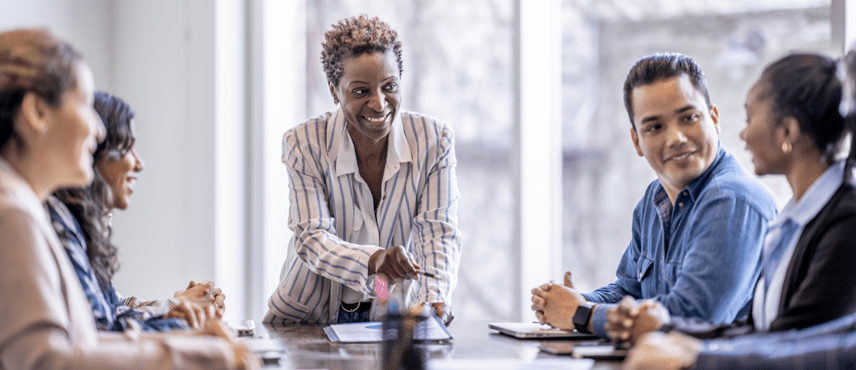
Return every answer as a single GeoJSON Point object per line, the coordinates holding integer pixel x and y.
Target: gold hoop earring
{"type": "Point", "coordinates": [786, 147]}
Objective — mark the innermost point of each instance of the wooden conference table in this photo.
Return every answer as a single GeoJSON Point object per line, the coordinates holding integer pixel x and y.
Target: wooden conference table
{"type": "Point", "coordinates": [309, 348]}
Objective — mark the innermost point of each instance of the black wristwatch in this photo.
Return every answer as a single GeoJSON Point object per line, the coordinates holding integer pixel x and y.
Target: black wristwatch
{"type": "Point", "coordinates": [582, 316]}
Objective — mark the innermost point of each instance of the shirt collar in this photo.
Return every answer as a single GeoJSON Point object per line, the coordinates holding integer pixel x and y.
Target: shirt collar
{"type": "Point", "coordinates": [398, 150]}
{"type": "Point", "coordinates": [814, 199]}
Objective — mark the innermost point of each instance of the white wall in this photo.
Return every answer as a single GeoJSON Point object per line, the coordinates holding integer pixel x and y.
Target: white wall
{"type": "Point", "coordinates": [539, 112]}
{"type": "Point", "coordinates": [277, 93]}
{"type": "Point", "coordinates": [86, 24]}
{"type": "Point", "coordinates": [186, 85]}
{"type": "Point", "coordinates": [849, 15]}
{"type": "Point", "coordinates": [182, 66]}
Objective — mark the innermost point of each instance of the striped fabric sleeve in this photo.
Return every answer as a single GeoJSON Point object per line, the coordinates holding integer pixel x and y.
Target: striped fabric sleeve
{"type": "Point", "coordinates": [436, 239]}
{"type": "Point", "coordinates": [156, 308]}
{"type": "Point", "coordinates": [317, 243]}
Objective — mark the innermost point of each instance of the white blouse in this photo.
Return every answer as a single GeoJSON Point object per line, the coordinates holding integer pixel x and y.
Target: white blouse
{"type": "Point", "coordinates": [336, 228]}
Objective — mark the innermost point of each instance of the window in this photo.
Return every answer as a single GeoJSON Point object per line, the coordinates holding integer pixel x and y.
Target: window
{"type": "Point", "coordinates": [462, 64]}
{"type": "Point", "coordinates": [603, 178]}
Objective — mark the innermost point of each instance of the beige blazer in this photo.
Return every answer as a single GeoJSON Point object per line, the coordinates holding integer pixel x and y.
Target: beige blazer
{"type": "Point", "coordinates": [46, 321]}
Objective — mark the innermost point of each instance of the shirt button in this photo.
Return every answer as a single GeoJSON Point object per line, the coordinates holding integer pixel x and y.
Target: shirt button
{"type": "Point", "coordinates": [680, 204]}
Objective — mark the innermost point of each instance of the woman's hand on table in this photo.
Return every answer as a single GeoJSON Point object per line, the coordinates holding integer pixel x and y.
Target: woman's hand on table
{"type": "Point", "coordinates": [395, 263]}
{"type": "Point", "coordinates": [197, 316]}
{"type": "Point", "coordinates": [444, 312]}
{"type": "Point", "coordinates": [630, 319]}
{"type": "Point", "coordinates": [203, 294]}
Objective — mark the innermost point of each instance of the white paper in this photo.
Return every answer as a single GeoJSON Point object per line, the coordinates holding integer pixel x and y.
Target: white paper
{"type": "Point", "coordinates": [373, 331]}
{"type": "Point", "coordinates": [512, 364]}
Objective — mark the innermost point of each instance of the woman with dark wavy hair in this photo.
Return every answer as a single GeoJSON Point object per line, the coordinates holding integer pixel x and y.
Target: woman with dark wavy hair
{"type": "Point", "coordinates": [48, 132]}
{"type": "Point", "coordinates": [81, 217]}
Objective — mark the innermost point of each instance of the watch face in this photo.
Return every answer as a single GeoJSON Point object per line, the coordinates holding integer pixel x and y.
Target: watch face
{"type": "Point", "coordinates": [582, 316]}
{"type": "Point", "coordinates": [579, 314]}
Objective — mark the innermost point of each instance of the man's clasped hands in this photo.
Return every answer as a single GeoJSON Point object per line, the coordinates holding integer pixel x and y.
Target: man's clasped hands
{"type": "Point", "coordinates": [630, 321]}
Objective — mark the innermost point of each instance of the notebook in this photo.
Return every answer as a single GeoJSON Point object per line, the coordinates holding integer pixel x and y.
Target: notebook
{"type": "Point", "coordinates": [526, 330]}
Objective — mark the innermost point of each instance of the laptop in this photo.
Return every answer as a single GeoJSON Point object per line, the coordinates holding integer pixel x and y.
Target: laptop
{"type": "Point", "coordinates": [525, 330]}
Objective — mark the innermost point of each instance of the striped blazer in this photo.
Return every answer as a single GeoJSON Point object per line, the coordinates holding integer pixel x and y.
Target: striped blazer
{"type": "Point", "coordinates": [418, 210]}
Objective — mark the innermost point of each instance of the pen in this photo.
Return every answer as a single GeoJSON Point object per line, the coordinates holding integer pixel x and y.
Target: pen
{"type": "Point", "coordinates": [428, 274]}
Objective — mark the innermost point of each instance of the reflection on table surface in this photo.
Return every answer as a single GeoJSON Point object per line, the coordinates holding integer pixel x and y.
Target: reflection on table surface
{"type": "Point", "coordinates": [309, 348]}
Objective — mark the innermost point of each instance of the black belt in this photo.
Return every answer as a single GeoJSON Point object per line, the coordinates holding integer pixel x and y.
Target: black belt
{"type": "Point", "coordinates": [351, 307]}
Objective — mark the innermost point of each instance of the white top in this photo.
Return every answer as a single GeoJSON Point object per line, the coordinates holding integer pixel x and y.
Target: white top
{"type": "Point", "coordinates": [46, 321]}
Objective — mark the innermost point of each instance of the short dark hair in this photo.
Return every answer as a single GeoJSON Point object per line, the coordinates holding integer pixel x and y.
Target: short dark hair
{"type": "Point", "coordinates": [661, 66]}
{"type": "Point", "coordinates": [355, 36]}
{"type": "Point", "coordinates": [805, 86]}
{"type": "Point", "coordinates": [32, 60]}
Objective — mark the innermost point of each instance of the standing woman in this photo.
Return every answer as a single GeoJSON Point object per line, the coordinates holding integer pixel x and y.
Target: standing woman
{"type": "Point", "coordinates": [48, 132]}
{"type": "Point", "coordinates": [373, 190]}
{"type": "Point", "coordinates": [81, 218]}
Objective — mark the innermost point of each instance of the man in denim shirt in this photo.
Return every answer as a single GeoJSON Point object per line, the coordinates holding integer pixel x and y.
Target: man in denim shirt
{"type": "Point", "coordinates": [699, 229]}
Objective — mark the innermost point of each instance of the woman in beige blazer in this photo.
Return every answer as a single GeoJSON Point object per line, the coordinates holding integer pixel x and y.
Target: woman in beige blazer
{"type": "Point", "coordinates": [48, 131]}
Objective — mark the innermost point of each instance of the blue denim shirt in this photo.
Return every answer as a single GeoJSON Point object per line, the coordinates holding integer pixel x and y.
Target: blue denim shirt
{"type": "Point", "coordinates": [701, 256]}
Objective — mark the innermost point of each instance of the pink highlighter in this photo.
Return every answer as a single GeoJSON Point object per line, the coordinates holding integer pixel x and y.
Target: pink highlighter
{"type": "Point", "coordinates": [382, 288]}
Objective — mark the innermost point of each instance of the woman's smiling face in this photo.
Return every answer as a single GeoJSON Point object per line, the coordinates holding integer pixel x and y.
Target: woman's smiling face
{"type": "Point", "coordinates": [369, 93]}
{"type": "Point", "coordinates": [120, 173]}
{"type": "Point", "coordinates": [762, 136]}
{"type": "Point", "coordinates": [75, 131]}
